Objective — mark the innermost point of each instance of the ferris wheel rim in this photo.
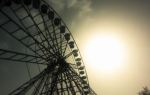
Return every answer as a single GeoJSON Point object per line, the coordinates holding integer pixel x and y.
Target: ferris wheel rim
{"type": "Point", "coordinates": [67, 29]}
{"type": "Point", "coordinates": [71, 50]}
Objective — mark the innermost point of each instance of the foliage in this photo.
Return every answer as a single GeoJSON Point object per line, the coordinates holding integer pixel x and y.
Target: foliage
{"type": "Point", "coordinates": [145, 91]}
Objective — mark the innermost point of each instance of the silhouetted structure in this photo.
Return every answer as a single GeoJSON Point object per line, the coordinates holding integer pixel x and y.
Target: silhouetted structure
{"type": "Point", "coordinates": [145, 91]}
{"type": "Point", "coordinates": [40, 30]}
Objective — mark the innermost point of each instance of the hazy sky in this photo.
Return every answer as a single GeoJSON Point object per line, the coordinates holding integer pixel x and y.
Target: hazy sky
{"type": "Point", "coordinates": [129, 21]}
{"type": "Point", "coordinates": [126, 20]}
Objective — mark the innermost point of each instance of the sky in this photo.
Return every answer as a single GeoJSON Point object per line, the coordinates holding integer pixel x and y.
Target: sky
{"type": "Point", "coordinates": [124, 23]}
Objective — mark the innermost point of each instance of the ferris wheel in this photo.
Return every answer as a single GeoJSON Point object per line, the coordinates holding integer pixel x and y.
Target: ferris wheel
{"type": "Point", "coordinates": [44, 40]}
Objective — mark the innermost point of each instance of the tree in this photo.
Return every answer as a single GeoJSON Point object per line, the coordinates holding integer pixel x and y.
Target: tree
{"type": "Point", "coordinates": [145, 91]}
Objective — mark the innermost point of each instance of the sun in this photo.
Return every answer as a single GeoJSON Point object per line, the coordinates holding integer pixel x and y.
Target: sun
{"type": "Point", "coordinates": [104, 53]}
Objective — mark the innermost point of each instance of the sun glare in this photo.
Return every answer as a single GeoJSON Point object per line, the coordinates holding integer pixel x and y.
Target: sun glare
{"type": "Point", "coordinates": [104, 53]}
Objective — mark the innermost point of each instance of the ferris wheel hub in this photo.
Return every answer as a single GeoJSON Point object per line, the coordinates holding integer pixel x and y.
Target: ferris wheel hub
{"type": "Point", "coordinates": [60, 64]}
{"type": "Point", "coordinates": [36, 27]}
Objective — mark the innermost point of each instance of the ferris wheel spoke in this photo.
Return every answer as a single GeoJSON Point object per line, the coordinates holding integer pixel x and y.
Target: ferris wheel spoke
{"type": "Point", "coordinates": [42, 36]}
{"type": "Point", "coordinates": [52, 87]}
{"type": "Point", "coordinates": [55, 37]}
{"type": "Point", "coordinates": [62, 87]}
{"type": "Point", "coordinates": [64, 45]}
{"type": "Point", "coordinates": [67, 38]}
{"type": "Point", "coordinates": [42, 39]}
{"type": "Point", "coordinates": [53, 33]}
{"type": "Point", "coordinates": [71, 83]}
{"type": "Point", "coordinates": [68, 55]}
{"type": "Point", "coordinates": [58, 85]}
{"type": "Point", "coordinates": [30, 27]}
{"type": "Point", "coordinates": [61, 47]}
{"type": "Point", "coordinates": [65, 48]}
{"type": "Point", "coordinates": [61, 43]}
{"type": "Point", "coordinates": [61, 40]}
{"type": "Point", "coordinates": [75, 84]}
{"type": "Point", "coordinates": [19, 40]}
{"type": "Point", "coordinates": [56, 23]}
{"type": "Point", "coordinates": [71, 86]}
{"type": "Point", "coordinates": [81, 72]}
{"type": "Point", "coordinates": [20, 57]}
{"type": "Point", "coordinates": [26, 86]}
{"type": "Point", "coordinates": [37, 88]}
{"type": "Point", "coordinates": [46, 26]}
{"type": "Point", "coordinates": [27, 46]}
{"type": "Point", "coordinates": [32, 38]}
{"type": "Point", "coordinates": [85, 86]}
{"type": "Point", "coordinates": [58, 39]}
{"type": "Point", "coordinates": [78, 75]}
{"type": "Point", "coordinates": [37, 28]}
{"type": "Point", "coordinates": [45, 84]}
{"type": "Point", "coordinates": [66, 83]}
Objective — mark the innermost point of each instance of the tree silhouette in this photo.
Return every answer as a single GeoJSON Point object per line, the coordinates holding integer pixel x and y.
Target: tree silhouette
{"type": "Point", "coordinates": [145, 91]}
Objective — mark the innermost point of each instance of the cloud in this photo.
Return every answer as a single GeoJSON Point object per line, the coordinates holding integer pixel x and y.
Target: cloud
{"type": "Point", "coordinates": [83, 14]}
{"type": "Point", "coordinates": [71, 3]}
{"type": "Point", "coordinates": [82, 6]}
{"type": "Point", "coordinates": [58, 5]}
